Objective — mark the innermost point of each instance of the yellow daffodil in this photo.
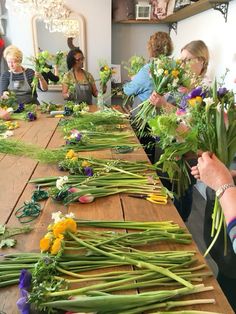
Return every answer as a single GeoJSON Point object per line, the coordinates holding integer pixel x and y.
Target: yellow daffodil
{"type": "Point", "coordinates": [45, 244]}
{"type": "Point", "coordinates": [57, 246]}
{"type": "Point", "coordinates": [61, 227]}
{"type": "Point", "coordinates": [166, 72]}
{"type": "Point", "coordinates": [85, 163]}
{"type": "Point", "coordinates": [70, 154]}
{"type": "Point", "coordinates": [195, 101]}
{"type": "Point", "coordinates": [175, 73]}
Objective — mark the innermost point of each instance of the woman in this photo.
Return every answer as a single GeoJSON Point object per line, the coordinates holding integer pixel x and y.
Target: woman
{"type": "Point", "coordinates": [77, 84]}
{"type": "Point", "coordinates": [195, 56]}
{"type": "Point", "coordinates": [19, 79]}
{"type": "Point", "coordinates": [142, 85]}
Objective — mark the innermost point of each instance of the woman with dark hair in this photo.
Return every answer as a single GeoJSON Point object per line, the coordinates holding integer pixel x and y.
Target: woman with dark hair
{"type": "Point", "coordinates": [77, 84]}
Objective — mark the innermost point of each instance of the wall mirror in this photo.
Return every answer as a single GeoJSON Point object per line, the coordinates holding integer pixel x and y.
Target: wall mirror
{"type": "Point", "coordinates": [53, 42]}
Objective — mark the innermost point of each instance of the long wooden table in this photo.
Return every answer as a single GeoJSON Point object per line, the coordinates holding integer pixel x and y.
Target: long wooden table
{"type": "Point", "coordinates": [14, 191]}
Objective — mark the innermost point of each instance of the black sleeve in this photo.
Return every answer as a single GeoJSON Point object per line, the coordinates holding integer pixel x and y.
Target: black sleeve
{"type": "Point", "coordinates": [49, 76]}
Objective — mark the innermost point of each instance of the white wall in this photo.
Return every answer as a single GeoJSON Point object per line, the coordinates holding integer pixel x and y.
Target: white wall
{"type": "Point", "coordinates": [219, 36]}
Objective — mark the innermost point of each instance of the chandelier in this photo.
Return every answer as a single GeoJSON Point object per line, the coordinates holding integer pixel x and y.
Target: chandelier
{"type": "Point", "coordinates": [54, 13]}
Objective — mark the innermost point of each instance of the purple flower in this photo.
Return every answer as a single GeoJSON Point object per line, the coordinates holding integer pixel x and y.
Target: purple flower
{"type": "Point", "coordinates": [88, 171]}
{"type": "Point", "coordinates": [31, 116]}
{"type": "Point", "coordinates": [25, 279]}
{"type": "Point", "coordinates": [222, 91]}
{"type": "Point", "coordinates": [183, 104]}
{"type": "Point", "coordinates": [20, 108]}
{"type": "Point", "coordinates": [195, 92]}
{"type": "Point", "coordinates": [22, 303]}
{"type": "Point", "coordinates": [78, 136]}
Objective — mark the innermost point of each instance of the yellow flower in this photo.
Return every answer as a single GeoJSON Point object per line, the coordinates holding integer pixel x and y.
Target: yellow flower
{"type": "Point", "coordinates": [45, 244]}
{"type": "Point", "coordinates": [166, 72]}
{"type": "Point", "coordinates": [175, 73]}
{"type": "Point", "coordinates": [74, 158]}
{"type": "Point", "coordinates": [70, 154]}
{"type": "Point", "coordinates": [57, 246]}
{"type": "Point", "coordinates": [61, 227]}
{"type": "Point", "coordinates": [85, 163]}
{"type": "Point", "coordinates": [106, 68]}
{"type": "Point", "coordinates": [195, 101]}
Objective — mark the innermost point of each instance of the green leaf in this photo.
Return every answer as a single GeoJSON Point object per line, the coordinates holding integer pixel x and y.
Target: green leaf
{"type": "Point", "coordinates": [7, 243]}
{"type": "Point", "coordinates": [2, 229]}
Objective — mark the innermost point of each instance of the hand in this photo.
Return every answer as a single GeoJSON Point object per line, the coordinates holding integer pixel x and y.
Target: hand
{"type": "Point", "coordinates": [38, 75]}
{"type": "Point", "coordinates": [157, 100]}
{"type": "Point", "coordinates": [5, 115]}
{"type": "Point", "coordinates": [211, 171]}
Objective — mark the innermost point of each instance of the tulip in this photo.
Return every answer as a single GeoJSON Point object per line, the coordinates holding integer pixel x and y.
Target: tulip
{"type": "Point", "coordinates": [87, 198]}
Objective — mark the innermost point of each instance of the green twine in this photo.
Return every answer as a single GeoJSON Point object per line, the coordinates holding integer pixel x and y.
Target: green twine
{"type": "Point", "coordinates": [31, 209]}
{"type": "Point", "coordinates": [123, 149]}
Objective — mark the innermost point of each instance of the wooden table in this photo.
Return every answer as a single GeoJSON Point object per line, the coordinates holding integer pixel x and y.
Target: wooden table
{"type": "Point", "coordinates": [14, 191]}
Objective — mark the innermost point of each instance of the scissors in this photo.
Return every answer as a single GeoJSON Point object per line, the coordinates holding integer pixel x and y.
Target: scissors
{"type": "Point", "coordinates": [153, 198]}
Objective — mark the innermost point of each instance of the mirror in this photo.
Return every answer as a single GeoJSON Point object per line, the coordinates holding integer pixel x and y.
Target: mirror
{"type": "Point", "coordinates": [53, 42]}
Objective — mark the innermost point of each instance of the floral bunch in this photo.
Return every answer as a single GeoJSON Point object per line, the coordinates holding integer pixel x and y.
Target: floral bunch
{"type": "Point", "coordinates": [134, 64]}
{"type": "Point", "coordinates": [40, 65]}
{"type": "Point", "coordinates": [8, 100]}
{"type": "Point", "coordinates": [205, 121]}
{"type": "Point", "coordinates": [53, 240]}
{"type": "Point", "coordinates": [105, 74]}
{"type": "Point", "coordinates": [25, 112]}
{"type": "Point", "coordinates": [75, 164]}
{"type": "Point", "coordinates": [168, 76]}
{"type": "Point", "coordinates": [74, 137]}
{"type": "Point", "coordinates": [71, 108]}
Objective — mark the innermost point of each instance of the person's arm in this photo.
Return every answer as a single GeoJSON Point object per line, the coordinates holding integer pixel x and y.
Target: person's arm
{"type": "Point", "coordinates": [217, 176]}
{"type": "Point", "coordinates": [4, 82]}
{"type": "Point", "coordinates": [141, 85]}
{"type": "Point", "coordinates": [42, 82]}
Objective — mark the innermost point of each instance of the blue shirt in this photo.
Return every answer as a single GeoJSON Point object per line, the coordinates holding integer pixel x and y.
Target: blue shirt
{"type": "Point", "coordinates": [141, 85]}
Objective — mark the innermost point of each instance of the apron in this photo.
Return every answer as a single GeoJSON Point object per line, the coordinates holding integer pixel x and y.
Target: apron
{"type": "Point", "coordinates": [83, 91]}
{"type": "Point", "coordinates": [23, 90]}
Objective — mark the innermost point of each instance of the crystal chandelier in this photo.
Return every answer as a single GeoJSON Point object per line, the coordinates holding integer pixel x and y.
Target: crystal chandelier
{"type": "Point", "coordinates": [54, 13]}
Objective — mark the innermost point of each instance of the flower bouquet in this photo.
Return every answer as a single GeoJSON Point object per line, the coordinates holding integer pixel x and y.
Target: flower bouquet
{"type": "Point", "coordinates": [134, 64]}
{"type": "Point", "coordinates": [40, 66]}
{"type": "Point", "coordinates": [168, 76]}
{"type": "Point", "coordinates": [105, 74]}
{"type": "Point", "coordinates": [205, 121]}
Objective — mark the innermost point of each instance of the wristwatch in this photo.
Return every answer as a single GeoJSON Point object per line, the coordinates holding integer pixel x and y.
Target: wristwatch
{"type": "Point", "coordinates": [223, 188]}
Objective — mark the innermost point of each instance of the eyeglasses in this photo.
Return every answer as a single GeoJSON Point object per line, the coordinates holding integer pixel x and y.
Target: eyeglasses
{"type": "Point", "coordinates": [188, 60]}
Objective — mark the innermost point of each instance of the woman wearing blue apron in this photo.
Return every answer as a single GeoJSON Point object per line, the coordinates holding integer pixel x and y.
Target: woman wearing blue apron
{"type": "Point", "coordinates": [18, 79]}
{"type": "Point", "coordinates": [78, 85]}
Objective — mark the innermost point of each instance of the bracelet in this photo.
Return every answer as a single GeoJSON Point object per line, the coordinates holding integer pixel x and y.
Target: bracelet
{"type": "Point", "coordinates": [223, 188]}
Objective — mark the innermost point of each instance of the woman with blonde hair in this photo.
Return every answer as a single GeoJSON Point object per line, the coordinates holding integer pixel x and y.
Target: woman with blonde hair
{"type": "Point", "coordinates": [19, 79]}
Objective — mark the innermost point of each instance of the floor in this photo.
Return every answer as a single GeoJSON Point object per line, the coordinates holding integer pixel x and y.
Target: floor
{"type": "Point", "coordinates": [195, 224]}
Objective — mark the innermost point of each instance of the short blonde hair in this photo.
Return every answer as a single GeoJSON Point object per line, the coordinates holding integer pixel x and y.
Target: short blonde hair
{"type": "Point", "coordinates": [13, 52]}
{"type": "Point", "coordinates": [199, 50]}
{"type": "Point", "coordinates": [160, 43]}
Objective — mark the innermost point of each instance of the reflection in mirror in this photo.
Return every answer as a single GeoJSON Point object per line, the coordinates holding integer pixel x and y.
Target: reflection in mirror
{"type": "Point", "coordinates": [53, 42]}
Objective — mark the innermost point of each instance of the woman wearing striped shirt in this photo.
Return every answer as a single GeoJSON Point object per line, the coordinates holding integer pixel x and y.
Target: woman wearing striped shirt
{"type": "Point", "coordinates": [19, 79]}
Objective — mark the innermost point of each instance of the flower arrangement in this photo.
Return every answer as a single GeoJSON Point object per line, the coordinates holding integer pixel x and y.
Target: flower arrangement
{"type": "Point", "coordinates": [205, 121]}
{"type": "Point", "coordinates": [8, 100]}
{"type": "Point", "coordinates": [105, 73]}
{"type": "Point", "coordinates": [168, 76]}
{"type": "Point", "coordinates": [40, 65]}
{"type": "Point", "coordinates": [134, 64]}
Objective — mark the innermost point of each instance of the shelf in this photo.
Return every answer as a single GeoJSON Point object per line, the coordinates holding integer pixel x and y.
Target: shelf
{"type": "Point", "coordinates": [190, 10]}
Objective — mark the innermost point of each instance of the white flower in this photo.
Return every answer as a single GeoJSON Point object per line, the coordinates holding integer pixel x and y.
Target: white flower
{"type": "Point", "coordinates": [61, 181]}
{"type": "Point", "coordinates": [208, 101]}
{"type": "Point", "coordinates": [57, 216]}
{"type": "Point", "coordinates": [7, 134]}
{"type": "Point", "coordinates": [10, 109]}
{"type": "Point", "coordinates": [175, 82]}
{"type": "Point", "coordinates": [70, 215]}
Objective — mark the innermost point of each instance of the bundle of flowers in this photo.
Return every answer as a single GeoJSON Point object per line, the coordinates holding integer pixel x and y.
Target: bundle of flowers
{"type": "Point", "coordinates": [168, 76]}
{"type": "Point", "coordinates": [26, 112]}
{"type": "Point", "coordinates": [134, 64]}
{"type": "Point", "coordinates": [86, 140]}
{"type": "Point", "coordinates": [105, 73]}
{"type": "Point", "coordinates": [55, 279]}
{"type": "Point", "coordinates": [8, 100]}
{"type": "Point", "coordinates": [71, 108]}
{"type": "Point", "coordinates": [40, 64]}
{"type": "Point", "coordinates": [205, 121]}
{"type": "Point", "coordinates": [99, 120]}
{"type": "Point", "coordinates": [47, 107]}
